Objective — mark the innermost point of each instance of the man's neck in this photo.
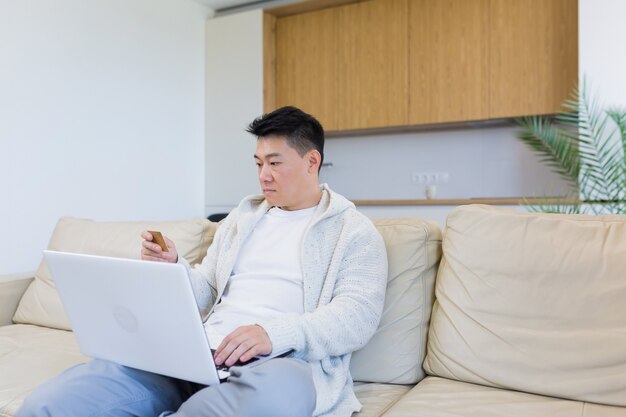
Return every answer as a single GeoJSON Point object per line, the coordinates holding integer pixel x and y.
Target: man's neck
{"type": "Point", "coordinates": [311, 200]}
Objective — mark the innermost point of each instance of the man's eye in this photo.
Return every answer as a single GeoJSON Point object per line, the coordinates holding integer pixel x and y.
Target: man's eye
{"type": "Point", "coordinates": [258, 164]}
{"type": "Point", "coordinates": [274, 163]}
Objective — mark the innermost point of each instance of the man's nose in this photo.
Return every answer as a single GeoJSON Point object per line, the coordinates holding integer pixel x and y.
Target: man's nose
{"type": "Point", "coordinates": [265, 174]}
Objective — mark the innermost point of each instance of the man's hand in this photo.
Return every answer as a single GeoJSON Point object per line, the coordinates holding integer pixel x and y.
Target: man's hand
{"type": "Point", "coordinates": [151, 251]}
{"type": "Point", "coordinates": [243, 344]}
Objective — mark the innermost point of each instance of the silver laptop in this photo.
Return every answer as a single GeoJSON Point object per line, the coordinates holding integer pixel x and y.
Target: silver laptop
{"type": "Point", "coordinates": [136, 313]}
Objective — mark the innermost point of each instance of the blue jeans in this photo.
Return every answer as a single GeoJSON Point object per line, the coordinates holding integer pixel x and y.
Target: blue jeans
{"type": "Point", "coordinates": [275, 388]}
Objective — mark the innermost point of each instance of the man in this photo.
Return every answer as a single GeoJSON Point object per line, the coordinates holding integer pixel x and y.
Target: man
{"type": "Point", "coordinates": [296, 271]}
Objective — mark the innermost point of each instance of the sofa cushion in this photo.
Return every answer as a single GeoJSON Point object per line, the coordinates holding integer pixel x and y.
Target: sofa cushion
{"type": "Point", "coordinates": [378, 398]}
{"type": "Point", "coordinates": [532, 302]}
{"type": "Point", "coordinates": [30, 355]}
{"type": "Point", "coordinates": [396, 352]}
{"type": "Point", "coordinates": [438, 397]}
{"type": "Point", "coordinates": [41, 305]}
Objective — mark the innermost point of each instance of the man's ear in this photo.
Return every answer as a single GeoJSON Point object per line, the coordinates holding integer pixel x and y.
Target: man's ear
{"type": "Point", "coordinates": [314, 158]}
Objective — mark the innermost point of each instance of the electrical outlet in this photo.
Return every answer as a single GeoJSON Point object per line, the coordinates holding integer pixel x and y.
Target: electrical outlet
{"type": "Point", "coordinates": [418, 177]}
{"type": "Point", "coordinates": [430, 177]}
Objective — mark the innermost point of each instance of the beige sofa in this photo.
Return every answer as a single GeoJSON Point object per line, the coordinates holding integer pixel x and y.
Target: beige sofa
{"type": "Point", "coordinates": [529, 318]}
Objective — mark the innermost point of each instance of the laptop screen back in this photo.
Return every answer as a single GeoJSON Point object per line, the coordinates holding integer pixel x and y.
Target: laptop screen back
{"type": "Point", "coordinates": [136, 313]}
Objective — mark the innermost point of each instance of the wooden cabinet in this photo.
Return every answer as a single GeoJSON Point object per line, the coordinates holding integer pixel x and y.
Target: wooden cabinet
{"type": "Point", "coordinates": [389, 63]}
{"type": "Point", "coordinates": [373, 64]}
{"type": "Point", "coordinates": [449, 60]}
{"type": "Point", "coordinates": [533, 55]}
{"type": "Point", "coordinates": [343, 66]}
{"type": "Point", "coordinates": [306, 64]}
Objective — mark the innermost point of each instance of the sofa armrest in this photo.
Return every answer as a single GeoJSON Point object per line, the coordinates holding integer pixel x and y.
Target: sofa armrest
{"type": "Point", "coordinates": [12, 287]}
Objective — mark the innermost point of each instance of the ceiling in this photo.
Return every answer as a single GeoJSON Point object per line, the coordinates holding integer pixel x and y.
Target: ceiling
{"type": "Point", "coordinates": [223, 4]}
{"type": "Point", "coordinates": [228, 5]}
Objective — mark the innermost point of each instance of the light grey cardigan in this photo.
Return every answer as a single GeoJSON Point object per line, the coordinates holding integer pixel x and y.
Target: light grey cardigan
{"type": "Point", "coordinates": [344, 266]}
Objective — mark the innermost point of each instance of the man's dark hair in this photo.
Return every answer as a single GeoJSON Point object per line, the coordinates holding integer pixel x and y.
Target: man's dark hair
{"type": "Point", "coordinates": [302, 130]}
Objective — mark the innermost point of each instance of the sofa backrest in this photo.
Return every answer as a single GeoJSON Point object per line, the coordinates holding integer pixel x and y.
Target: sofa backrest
{"type": "Point", "coordinates": [532, 302]}
{"type": "Point", "coordinates": [396, 352]}
{"type": "Point", "coordinates": [40, 304]}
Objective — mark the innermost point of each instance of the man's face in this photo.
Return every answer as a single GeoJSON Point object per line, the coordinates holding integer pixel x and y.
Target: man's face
{"type": "Point", "coordinates": [285, 177]}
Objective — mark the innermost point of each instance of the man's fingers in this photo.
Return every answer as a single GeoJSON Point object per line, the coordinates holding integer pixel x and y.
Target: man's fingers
{"type": "Point", "coordinates": [243, 344]}
{"type": "Point", "coordinates": [249, 354]}
{"type": "Point", "coordinates": [153, 258]}
{"type": "Point", "coordinates": [244, 352]}
{"type": "Point", "coordinates": [150, 245]}
{"type": "Point", "coordinates": [226, 348]}
{"type": "Point", "coordinates": [236, 354]}
{"type": "Point", "coordinates": [148, 253]}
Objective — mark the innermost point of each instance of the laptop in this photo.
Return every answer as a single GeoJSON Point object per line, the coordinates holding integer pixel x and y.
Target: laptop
{"type": "Point", "coordinates": [140, 314]}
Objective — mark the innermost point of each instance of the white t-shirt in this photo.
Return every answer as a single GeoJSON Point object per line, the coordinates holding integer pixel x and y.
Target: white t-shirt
{"type": "Point", "coordinates": [267, 278]}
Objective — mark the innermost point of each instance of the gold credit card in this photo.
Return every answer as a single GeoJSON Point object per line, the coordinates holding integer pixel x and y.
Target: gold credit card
{"type": "Point", "coordinates": [157, 238]}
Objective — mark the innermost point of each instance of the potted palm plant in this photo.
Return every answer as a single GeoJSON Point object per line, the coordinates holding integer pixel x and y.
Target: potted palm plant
{"type": "Point", "coordinates": [586, 146]}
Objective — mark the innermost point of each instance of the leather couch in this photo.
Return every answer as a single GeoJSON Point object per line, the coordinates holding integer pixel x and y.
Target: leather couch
{"type": "Point", "coordinates": [507, 314]}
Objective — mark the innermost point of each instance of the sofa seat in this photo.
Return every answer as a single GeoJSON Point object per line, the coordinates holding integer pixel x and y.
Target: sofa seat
{"type": "Point", "coordinates": [378, 398]}
{"type": "Point", "coordinates": [440, 397]}
{"type": "Point", "coordinates": [30, 355]}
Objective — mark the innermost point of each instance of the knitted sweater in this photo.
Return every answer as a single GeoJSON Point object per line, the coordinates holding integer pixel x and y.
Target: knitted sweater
{"type": "Point", "coordinates": [344, 265]}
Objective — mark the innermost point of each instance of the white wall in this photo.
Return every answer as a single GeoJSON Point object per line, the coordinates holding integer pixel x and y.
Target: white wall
{"type": "Point", "coordinates": [479, 161]}
{"type": "Point", "coordinates": [101, 116]}
{"type": "Point", "coordinates": [234, 98]}
{"type": "Point", "coordinates": [602, 35]}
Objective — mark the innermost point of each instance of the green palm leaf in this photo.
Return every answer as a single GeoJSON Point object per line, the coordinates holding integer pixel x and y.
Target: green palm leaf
{"type": "Point", "coordinates": [586, 146]}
